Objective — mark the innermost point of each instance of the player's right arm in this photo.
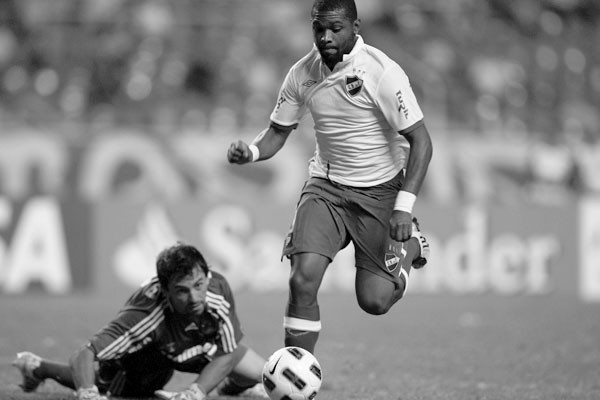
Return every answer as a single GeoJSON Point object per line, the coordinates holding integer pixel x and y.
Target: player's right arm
{"type": "Point", "coordinates": [284, 118]}
{"type": "Point", "coordinates": [267, 144]}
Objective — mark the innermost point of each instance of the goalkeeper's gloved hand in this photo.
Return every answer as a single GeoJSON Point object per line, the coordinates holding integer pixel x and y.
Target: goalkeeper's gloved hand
{"type": "Point", "coordinates": [90, 393]}
{"type": "Point", "coordinates": [193, 392]}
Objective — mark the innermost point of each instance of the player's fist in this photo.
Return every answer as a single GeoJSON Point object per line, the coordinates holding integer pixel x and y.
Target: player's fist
{"type": "Point", "coordinates": [400, 225]}
{"type": "Point", "coordinates": [239, 153]}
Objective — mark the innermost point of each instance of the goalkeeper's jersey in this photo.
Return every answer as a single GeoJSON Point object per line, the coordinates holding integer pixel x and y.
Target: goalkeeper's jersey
{"type": "Point", "coordinates": [147, 322]}
{"type": "Point", "coordinates": [358, 110]}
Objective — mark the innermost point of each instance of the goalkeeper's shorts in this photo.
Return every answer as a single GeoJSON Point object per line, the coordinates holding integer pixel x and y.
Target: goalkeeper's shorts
{"type": "Point", "coordinates": [139, 381]}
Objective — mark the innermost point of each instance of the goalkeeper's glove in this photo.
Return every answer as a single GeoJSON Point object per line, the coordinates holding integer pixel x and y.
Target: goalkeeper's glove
{"type": "Point", "coordinates": [90, 393]}
{"type": "Point", "coordinates": [193, 392]}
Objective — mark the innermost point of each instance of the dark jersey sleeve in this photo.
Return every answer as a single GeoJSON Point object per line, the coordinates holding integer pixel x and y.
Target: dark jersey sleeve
{"type": "Point", "coordinates": [134, 327]}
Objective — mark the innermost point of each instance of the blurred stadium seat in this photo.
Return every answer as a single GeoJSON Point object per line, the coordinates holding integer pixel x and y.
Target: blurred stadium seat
{"type": "Point", "coordinates": [525, 74]}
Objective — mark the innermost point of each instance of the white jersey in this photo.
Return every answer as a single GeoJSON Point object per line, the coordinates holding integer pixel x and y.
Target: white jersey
{"type": "Point", "coordinates": [358, 110]}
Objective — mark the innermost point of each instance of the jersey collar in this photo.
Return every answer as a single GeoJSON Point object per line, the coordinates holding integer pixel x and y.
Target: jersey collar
{"type": "Point", "coordinates": [358, 46]}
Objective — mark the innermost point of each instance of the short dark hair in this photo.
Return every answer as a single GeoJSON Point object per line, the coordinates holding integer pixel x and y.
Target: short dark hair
{"type": "Point", "coordinates": [349, 7]}
{"type": "Point", "coordinates": [178, 261]}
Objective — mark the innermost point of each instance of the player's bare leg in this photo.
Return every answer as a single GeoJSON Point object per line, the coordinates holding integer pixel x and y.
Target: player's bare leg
{"type": "Point", "coordinates": [377, 295]}
{"type": "Point", "coordinates": [35, 370]}
{"type": "Point", "coordinates": [302, 320]}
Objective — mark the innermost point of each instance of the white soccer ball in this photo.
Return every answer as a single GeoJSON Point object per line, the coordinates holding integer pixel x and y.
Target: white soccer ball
{"type": "Point", "coordinates": [292, 373]}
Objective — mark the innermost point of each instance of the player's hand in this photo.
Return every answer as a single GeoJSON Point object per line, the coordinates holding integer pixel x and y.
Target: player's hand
{"type": "Point", "coordinates": [194, 392]}
{"type": "Point", "coordinates": [90, 394]}
{"type": "Point", "coordinates": [400, 225]}
{"type": "Point", "coordinates": [239, 153]}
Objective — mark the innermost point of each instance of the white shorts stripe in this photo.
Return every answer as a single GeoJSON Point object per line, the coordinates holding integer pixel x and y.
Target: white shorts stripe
{"type": "Point", "coordinates": [405, 275]}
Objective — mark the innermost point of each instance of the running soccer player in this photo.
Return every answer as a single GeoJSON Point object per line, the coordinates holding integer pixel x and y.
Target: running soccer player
{"type": "Point", "coordinates": [372, 154]}
{"type": "Point", "coordinates": [184, 319]}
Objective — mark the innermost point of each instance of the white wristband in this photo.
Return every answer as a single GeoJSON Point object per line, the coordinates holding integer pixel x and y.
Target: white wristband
{"type": "Point", "coordinates": [255, 152]}
{"type": "Point", "coordinates": [405, 201]}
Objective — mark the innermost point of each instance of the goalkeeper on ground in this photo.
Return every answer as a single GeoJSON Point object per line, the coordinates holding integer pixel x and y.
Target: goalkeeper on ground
{"type": "Point", "coordinates": [184, 319]}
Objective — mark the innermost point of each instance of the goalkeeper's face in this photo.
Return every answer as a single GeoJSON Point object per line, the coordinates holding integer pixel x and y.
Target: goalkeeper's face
{"type": "Point", "coordinates": [188, 294]}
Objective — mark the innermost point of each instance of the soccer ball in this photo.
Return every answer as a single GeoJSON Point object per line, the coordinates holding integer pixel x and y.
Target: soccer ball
{"type": "Point", "coordinates": [292, 373]}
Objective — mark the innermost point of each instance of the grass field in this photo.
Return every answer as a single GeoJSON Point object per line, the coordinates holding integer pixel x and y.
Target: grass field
{"type": "Point", "coordinates": [427, 347]}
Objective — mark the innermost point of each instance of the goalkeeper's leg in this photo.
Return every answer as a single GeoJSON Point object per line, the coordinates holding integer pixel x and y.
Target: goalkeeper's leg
{"type": "Point", "coordinates": [35, 370]}
{"type": "Point", "coordinates": [246, 374]}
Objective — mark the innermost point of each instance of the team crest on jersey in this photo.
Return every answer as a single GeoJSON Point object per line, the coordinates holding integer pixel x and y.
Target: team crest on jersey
{"type": "Point", "coordinates": [353, 85]}
{"type": "Point", "coordinates": [152, 291]}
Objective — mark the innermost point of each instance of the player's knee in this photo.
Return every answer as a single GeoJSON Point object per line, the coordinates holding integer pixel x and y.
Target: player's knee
{"type": "Point", "coordinates": [302, 284]}
{"type": "Point", "coordinates": [375, 306]}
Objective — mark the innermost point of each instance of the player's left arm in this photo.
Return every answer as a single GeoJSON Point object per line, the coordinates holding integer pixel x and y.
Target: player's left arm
{"type": "Point", "coordinates": [398, 103]}
{"type": "Point", "coordinates": [421, 151]}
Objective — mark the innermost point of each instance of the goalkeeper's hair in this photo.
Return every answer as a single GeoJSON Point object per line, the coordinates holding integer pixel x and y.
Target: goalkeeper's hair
{"type": "Point", "coordinates": [177, 262]}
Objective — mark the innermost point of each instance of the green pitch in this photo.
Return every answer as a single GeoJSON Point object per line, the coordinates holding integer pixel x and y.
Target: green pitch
{"type": "Point", "coordinates": [426, 348]}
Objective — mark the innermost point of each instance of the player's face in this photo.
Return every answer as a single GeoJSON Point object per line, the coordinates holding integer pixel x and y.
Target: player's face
{"type": "Point", "coordinates": [188, 295]}
{"type": "Point", "coordinates": [334, 35]}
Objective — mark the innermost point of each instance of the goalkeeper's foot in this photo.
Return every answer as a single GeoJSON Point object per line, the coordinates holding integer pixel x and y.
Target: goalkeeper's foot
{"type": "Point", "coordinates": [27, 363]}
{"type": "Point", "coordinates": [257, 390]}
{"type": "Point", "coordinates": [421, 260]}
{"type": "Point", "coordinates": [229, 387]}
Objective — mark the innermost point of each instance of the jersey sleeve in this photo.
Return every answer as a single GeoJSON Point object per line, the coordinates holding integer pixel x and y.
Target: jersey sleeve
{"type": "Point", "coordinates": [290, 107]}
{"type": "Point", "coordinates": [222, 303]}
{"type": "Point", "coordinates": [132, 329]}
{"type": "Point", "coordinates": [397, 101]}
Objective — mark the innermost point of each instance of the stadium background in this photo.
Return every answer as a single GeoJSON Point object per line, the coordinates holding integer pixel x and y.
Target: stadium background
{"type": "Point", "coordinates": [116, 115]}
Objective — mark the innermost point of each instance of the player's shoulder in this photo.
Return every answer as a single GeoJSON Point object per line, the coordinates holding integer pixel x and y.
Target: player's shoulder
{"type": "Point", "coordinates": [148, 295]}
{"type": "Point", "coordinates": [378, 60]}
{"type": "Point", "coordinates": [218, 282]}
{"type": "Point", "coordinates": [307, 65]}
{"type": "Point", "coordinates": [381, 69]}
{"type": "Point", "coordinates": [219, 292]}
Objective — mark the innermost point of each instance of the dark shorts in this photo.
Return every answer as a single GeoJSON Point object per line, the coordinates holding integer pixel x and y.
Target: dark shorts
{"type": "Point", "coordinates": [137, 375]}
{"type": "Point", "coordinates": [329, 216]}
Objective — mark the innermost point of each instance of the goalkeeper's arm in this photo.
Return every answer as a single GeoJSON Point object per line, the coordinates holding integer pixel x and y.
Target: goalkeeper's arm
{"type": "Point", "coordinates": [207, 380]}
{"type": "Point", "coordinates": [84, 374]}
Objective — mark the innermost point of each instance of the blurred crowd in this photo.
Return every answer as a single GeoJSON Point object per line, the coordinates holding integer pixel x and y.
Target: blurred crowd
{"type": "Point", "coordinates": [511, 88]}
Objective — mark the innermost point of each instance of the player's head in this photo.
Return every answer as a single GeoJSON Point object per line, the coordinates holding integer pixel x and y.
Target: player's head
{"type": "Point", "coordinates": [335, 25]}
{"type": "Point", "coordinates": [184, 276]}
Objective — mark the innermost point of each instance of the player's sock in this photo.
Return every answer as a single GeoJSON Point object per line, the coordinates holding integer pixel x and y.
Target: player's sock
{"type": "Point", "coordinates": [231, 386]}
{"type": "Point", "coordinates": [302, 326]}
{"type": "Point", "coordinates": [61, 373]}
